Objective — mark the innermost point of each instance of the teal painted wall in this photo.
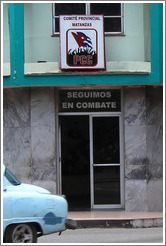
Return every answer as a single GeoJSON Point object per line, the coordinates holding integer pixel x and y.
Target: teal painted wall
{"type": "Point", "coordinates": [17, 77]}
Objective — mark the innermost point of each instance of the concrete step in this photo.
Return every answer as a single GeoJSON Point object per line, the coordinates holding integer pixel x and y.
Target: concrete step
{"type": "Point", "coordinates": [116, 219]}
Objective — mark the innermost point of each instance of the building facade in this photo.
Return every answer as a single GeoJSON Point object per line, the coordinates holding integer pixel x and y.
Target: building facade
{"type": "Point", "coordinates": [95, 135]}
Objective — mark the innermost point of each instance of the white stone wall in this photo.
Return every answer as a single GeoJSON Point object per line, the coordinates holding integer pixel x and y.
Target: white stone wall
{"type": "Point", "coordinates": [29, 135]}
{"type": "Point", "coordinates": [29, 147]}
{"type": "Point", "coordinates": [154, 148]}
{"type": "Point", "coordinates": [143, 148]}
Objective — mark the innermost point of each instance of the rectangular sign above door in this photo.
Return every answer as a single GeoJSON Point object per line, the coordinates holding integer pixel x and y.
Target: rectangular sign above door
{"type": "Point", "coordinates": [90, 100]}
{"type": "Point", "coordinates": [82, 42]}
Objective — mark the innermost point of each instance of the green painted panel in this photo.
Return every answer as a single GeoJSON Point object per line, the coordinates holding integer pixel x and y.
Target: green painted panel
{"type": "Point", "coordinates": [16, 27]}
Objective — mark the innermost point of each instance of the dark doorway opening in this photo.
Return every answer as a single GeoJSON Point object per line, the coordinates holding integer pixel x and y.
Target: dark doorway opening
{"type": "Point", "coordinates": [106, 160]}
{"type": "Point", "coordinates": [75, 161]}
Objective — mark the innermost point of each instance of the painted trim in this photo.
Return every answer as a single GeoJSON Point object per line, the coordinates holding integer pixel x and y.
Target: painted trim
{"type": "Point", "coordinates": [18, 78]}
{"type": "Point", "coordinates": [16, 29]}
{"type": "Point", "coordinates": [46, 68]}
{"type": "Point", "coordinates": [156, 13]}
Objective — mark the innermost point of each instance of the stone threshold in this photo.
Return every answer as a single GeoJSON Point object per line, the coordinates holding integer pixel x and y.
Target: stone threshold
{"type": "Point", "coordinates": [117, 219]}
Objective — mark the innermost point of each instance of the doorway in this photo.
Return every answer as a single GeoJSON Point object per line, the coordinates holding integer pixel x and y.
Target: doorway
{"type": "Point", "coordinates": [75, 161]}
{"type": "Point", "coordinates": [91, 161]}
{"type": "Point", "coordinates": [105, 161]}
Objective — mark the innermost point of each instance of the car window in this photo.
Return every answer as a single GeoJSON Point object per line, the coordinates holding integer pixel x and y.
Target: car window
{"type": "Point", "coordinates": [11, 178]}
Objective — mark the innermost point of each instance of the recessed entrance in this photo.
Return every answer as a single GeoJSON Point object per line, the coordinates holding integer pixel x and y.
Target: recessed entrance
{"type": "Point", "coordinates": [75, 161]}
{"type": "Point", "coordinates": [91, 161]}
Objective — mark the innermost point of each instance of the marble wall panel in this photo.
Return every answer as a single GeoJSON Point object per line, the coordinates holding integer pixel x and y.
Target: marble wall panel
{"type": "Point", "coordinates": [143, 136]}
{"type": "Point", "coordinates": [43, 137]}
{"type": "Point", "coordinates": [29, 134]}
{"type": "Point", "coordinates": [135, 145]}
{"type": "Point", "coordinates": [134, 106]}
{"type": "Point", "coordinates": [155, 195]}
{"type": "Point", "coordinates": [17, 146]}
{"type": "Point", "coordinates": [155, 151]}
{"type": "Point", "coordinates": [155, 131]}
{"type": "Point", "coordinates": [16, 107]}
{"type": "Point", "coordinates": [136, 195]}
{"type": "Point", "coordinates": [30, 147]}
{"type": "Point", "coordinates": [154, 104]}
{"type": "Point", "coordinates": [43, 173]}
{"type": "Point", "coordinates": [136, 172]}
{"type": "Point", "coordinates": [43, 146]}
{"type": "Point", "coordinates": [42, 107]}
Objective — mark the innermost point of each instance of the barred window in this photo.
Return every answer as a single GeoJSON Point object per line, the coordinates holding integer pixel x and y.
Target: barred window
{"type": "Point", "coordinates": [113, 14]}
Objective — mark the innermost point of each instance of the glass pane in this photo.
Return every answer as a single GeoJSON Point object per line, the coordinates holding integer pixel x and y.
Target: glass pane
{"type": "Point", "coordinates": [56, 24]}
{"type": "Point", "coordinates": [107, 9]}
{"type": "Point", "coordinates": [106, 140]}
{"type": "Point", "coordinates": [69, 8]}
{"type": "Point", "coordinates": [112, 24]}
{"type": "Point", "coordinates": [107, 185]}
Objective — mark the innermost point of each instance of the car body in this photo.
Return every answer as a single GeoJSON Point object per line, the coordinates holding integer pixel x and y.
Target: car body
{"type": "Point", "coordinates": [30, 211]}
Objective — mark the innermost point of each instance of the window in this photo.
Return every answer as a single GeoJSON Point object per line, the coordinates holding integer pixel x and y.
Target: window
{"type": "Point", "coordinates": [113, 14]}
{"type": "Point", "coordinates": [11, 178]}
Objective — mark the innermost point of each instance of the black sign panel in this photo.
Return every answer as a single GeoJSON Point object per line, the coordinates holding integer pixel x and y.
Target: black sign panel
{"type": "Point", "coordinates": [90, 101]}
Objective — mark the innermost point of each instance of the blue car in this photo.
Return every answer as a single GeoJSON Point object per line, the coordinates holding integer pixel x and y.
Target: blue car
{"type": "Point", "coordinates": [30, 211]}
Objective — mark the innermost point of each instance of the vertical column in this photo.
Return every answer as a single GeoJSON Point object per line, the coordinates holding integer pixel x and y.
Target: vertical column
{"type": "Point", "coordinates": [135, 149]}
{"type": "Point", "coordinates": [43, 145]}
{"type": "Point", "coordinates": [16, 27]}
{"type": "Point", "coordinates": [156, 13]}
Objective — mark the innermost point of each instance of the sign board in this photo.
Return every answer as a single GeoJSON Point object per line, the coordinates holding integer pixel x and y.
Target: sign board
{"type": "Point", "coordinates": [82, 42]}
{"type": "Point", "coordinates": [90, 100]}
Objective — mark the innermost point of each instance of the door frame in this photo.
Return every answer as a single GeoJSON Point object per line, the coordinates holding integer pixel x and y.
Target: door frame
{"type": "Point", "coordinates": [58, 149]}
{"type": "Point", "coordinates": [121, 165]}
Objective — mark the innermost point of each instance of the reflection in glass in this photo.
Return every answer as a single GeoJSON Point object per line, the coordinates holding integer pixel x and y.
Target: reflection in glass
{"type": "Point", "coordinates": [106, 140]}
{"type": "Point", "coordinates": [107, 9]}
{"type": "Point", "coordinates": [107, 185]}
